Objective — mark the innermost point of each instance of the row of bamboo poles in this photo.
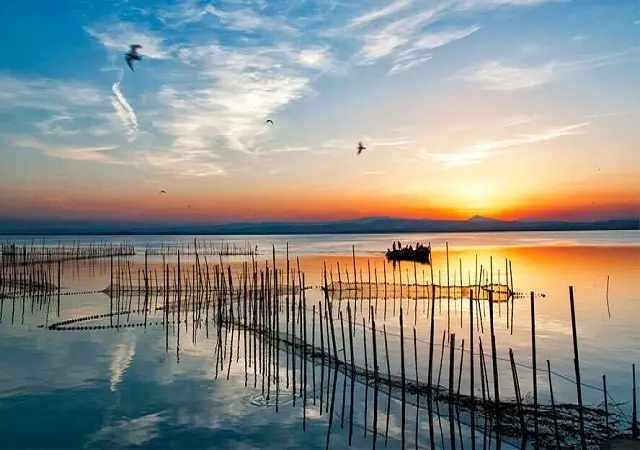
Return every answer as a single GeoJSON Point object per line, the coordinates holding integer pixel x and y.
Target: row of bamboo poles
{"type": "Point", "coordinates": [14, 254]}
{"type": "Point", "coordinates": [17, 255]}
{"type": "Point", "coordinates": [202, 248]}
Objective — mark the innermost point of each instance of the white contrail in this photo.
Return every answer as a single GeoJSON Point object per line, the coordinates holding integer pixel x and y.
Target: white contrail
{"type": "Point", "coordinates": [125, 112]}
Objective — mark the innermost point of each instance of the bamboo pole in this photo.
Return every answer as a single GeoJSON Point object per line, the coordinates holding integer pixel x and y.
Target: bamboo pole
{"type": "Point", "coordinates": [386, 351]}
{"type": "Point", "coordinates": [452, 428]}
{"type": "Point", "coordinates": [402, 378]}
{"type": "Point", "coordinates": [576, 361]}
{"type": "Point", "coordinates": [534, 370]}
{"type": "Point", "coordinates": [375, 375]}
{"type": "Point", "coordinates": [353, 374]}
{"type": "Point", "coordinates": [556, 432]}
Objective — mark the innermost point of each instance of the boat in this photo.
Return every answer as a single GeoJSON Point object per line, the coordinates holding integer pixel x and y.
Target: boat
{"type": "Point", "coordinates": [420, 254]}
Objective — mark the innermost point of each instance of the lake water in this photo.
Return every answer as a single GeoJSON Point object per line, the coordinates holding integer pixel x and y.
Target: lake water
{"type": "Point", "coordinates": [148, 386]}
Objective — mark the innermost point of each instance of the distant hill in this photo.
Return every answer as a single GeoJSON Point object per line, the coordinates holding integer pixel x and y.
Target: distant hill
{"type": "Point", "coordinates": [367, 225]}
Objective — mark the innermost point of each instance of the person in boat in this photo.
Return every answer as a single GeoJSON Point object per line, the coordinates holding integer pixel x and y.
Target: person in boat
{"type": "Point", "coordinates": [394, 246]}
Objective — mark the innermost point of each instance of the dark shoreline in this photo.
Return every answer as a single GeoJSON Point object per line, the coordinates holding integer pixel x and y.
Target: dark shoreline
{"type": "Point", "coordinates": [250, 232]}
{"type": "Point", "coordinates": [374, 225]}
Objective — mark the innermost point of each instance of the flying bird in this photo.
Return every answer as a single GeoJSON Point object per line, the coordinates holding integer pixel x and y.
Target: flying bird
{"type": "Point", "coordinates": [162, 191]}
{"type": "Point", "coordinates": [132, 55]}
{"type": "Point", "coordinates": [269, 121]}
{"type": "Point", "coordinates": [361, 147]}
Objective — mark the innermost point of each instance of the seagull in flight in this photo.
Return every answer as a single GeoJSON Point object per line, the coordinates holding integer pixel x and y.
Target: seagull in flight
{"type": "Point", "coordinates": [361, 147]}
{"type": "Point", "coordinates": [162, 191]}
{"type": "Point", "coordinates": [132, 55]}
{"type": "Point", "coordinates": [269, 121]}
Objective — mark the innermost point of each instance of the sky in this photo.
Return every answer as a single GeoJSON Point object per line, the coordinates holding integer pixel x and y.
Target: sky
{"type": "Point", "coordinates": [512, 109]}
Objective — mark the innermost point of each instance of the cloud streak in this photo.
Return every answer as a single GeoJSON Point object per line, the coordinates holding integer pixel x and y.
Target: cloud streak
{"type": "Point", "coordinates": [479, 4]}
{"type": "Point", "coordinates": [394, 36]}
{"type": "Point", "coordinates": [483, 150]}
{"type": "Point", "coordinates": [499, 76]}
{"type": "Point", "coordinates": [376, 14]}
{"type": "Point", "coordinates": [52, 127]}
{"type": "Point", "coordinates": [420, 50]}
{"type": "Point", "coordinates": [408, 41]}
{"type": "Point", "coordinates": [94, 154]}
{"type": "Point", "coordinates": [118, 36]}
{"type": "Point", "coordinates": [47, 94]}
{"type": "Point", "coordinates": [124, 111]}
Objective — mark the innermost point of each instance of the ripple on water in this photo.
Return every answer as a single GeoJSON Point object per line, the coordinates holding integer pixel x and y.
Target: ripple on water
{"type": "Point", "coordinates": [261, 400]}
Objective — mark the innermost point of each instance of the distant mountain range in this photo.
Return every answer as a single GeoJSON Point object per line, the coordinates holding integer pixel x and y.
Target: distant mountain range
{"type": "Point", "coordinates": [368, 225]}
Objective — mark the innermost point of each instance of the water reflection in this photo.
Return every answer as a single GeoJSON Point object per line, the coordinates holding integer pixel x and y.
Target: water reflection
{"type": "Point", "coordinates": [120, 386]}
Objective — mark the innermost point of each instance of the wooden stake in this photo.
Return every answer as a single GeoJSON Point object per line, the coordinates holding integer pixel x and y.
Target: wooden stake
{"type": "Point", "coordinates": [402, 378]}
{"type": "Point", "coordinates": [452, 427]}
{"type": "Point", "coordinates": [534, 370]}
{"type": "Point", "coordinates": [553, 408]}
{"type": "Point", "coordinates": [576, 361]}
{"type": "Point", "coordinates": [353, 373]}
{"type": "Point", "coordinates": [375, 376]}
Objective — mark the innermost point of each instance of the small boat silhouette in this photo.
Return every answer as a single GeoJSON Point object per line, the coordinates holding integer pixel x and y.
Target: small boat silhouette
{"type": "Point", "coordinates": [421, 254]}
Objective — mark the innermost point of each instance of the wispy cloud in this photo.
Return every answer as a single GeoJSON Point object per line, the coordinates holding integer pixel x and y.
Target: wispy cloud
{"type": "Point", "coordinates": [475, 4]}
{"type": "Point", "coordinates": [395, 142]}
{"type": "Point", "coordinates": [95, 154]}
{"type": "Point", "coordinates": [124, 111]}
{"type": "Point", "coordinates": [239, 88]}
{"type": "Point", "coordinates": [186, 165]}
{"type": "Point", "coordinates": [53, 126]}
{"type": "Point", "coordinates": [246, 19]}
{"type": "Point", "coordinates": [376, 14]}
{"type": "Point", "coordinates": [499, 76]}
{"type": "Point", "coordinates": [394, 36]}
{"type": "Point", "coordinates": [290, 149]}
{"type": "Point", "coordinates": [240, 18]}
{"type": "Point", "coordinates": [605, 115]}
{"type": "Point", "coordinates": [418, 52]}
{"type": "Point", "coordinates": [133, 432]}
{"type": "Point", "coordinates": [47, 94]}
{"type": "Point", "coordinates": [118, 36]}
{"type": "Point", "coordinates": [519, 120]}
{"type": "Point", "coordinates": [486, 149]}
{"type": "Point", "coordinates": [409, 40]}
{"type": "Point", "coordinates": [402, 65]}
{"type": "Point", "coordinates": [316, 58]}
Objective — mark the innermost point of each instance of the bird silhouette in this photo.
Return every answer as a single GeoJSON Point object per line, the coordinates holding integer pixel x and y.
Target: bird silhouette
{"type": "Point", "coordinates": [269, 121]}
{"type": "Point", "coordinates": [361, 147]}
{"type": "Point", "coordinates": [132, 55]}
{"type": "Point", "coordinates": [162, 191]}
{"type": "Point", "coordinates": [188, 206]}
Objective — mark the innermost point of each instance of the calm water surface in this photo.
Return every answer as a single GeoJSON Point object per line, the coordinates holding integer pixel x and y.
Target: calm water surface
{"type": "Point", "coordinates": [121, 387]}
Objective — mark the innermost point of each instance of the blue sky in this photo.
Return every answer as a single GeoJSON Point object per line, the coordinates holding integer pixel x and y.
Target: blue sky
{"type": "Point", "coordinates": [449, 88]}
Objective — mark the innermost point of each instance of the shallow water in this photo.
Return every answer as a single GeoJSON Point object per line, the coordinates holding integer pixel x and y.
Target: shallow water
{"type": "Point", "coordinates": [121, 387]}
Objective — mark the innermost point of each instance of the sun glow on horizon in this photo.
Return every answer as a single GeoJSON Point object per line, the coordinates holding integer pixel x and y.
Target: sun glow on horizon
{"type": "Point", "coordinates": [478, 196]}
